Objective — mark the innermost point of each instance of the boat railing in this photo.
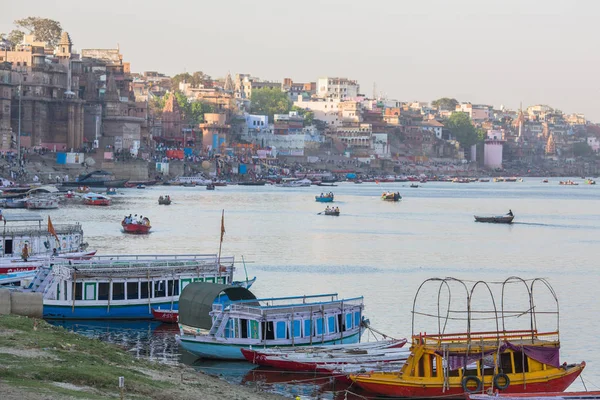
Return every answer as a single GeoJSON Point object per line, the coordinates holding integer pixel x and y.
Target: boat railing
{"type": "Point", "coordinates": [145, 268]}
{"type": "Point", "coordinates": [485, 337]}
{"type": "Point", "coordinates": [335, 307]}
{"type": "Point", "coordinates": [150, 257]}
{"type": "Point", "coordinates": [333, 297]}
{"type": "Point", "coordinates": [36, 229]}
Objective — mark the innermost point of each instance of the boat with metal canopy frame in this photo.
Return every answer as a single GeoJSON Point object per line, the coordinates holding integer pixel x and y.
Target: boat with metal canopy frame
{"type": "Point", "coordinates": [451, 365]}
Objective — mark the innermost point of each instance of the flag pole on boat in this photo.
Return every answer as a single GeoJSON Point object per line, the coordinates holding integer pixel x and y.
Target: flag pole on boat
{"type": "Point", "coordinates": [221, 241]}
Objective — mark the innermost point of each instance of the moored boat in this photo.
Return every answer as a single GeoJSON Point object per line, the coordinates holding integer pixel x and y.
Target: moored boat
{"type": "Point", "coordinates": [97, 179]}
{"type": "Point", "coordinates": [309, 358]}
{"type": "Point", "coordinates": [124, 287]}
{"type": "Point", "coordinates": [167, 316]}
{"type": "Point", "coordinates": [451, 365]}
{"type": "Point", "coordinates": [568, 183]}
{"type": "Point", "coordinates": [591, 395]}
{"type": "Point", "coordinates": [41, 203]}
{"type": "Point", "coordinates": [217, 321]}
{"type": "Point", "coordinates": [111, 191]}
{"type": "Point", "coordinates": [26, 228]}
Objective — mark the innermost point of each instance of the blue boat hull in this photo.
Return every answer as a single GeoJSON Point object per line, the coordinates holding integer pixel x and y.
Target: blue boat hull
{"type": "Point", "coordinates": [324, 199]}
{"type": "Point", "coordinates": [133, 311]}
{"type": "Point", "coordinates": [228, 351]}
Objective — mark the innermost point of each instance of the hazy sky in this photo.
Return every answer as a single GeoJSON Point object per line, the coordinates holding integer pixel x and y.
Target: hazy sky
{"type": "Point", "coordinates": [495, 52]}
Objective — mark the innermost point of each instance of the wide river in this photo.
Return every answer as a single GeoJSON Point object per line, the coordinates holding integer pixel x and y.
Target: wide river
{"type": "Point", "coordinates": [383, 250]}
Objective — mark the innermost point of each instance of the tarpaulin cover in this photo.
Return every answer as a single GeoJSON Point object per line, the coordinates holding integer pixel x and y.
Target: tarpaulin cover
{"type": "Point", "coordinates": [545, 355]}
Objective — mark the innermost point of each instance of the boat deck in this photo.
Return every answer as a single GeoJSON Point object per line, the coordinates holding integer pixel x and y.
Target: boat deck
{"type": "Point", "coordinates": [478, 341]}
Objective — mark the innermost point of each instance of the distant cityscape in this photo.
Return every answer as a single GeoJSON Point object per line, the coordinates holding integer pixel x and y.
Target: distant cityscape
{"type": "Point", "coordinates": [54, 98]}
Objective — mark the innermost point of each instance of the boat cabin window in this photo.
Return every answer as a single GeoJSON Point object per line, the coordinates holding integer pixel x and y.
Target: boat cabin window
{"type": "Point", "coordinates": [144, 289]}
{"type": "Point", "coordinates": [268, 333]}
{"type": "Point", "coordinates": [427, 366]}
{"type": "Point", "coordinates": [133, 290]}
{"type": "Point", "coordinates": [103, 288]}
{"type": "Point", "coordinates": [471, 369]}
{"type": "Point", "coordinates": [307, 326]}
{"type": "Point", "coordinates": [90, 291]}
{"type": "Point", "coordinates": [65, 291]}
{"type": "Point", "coordinates": [318, 326]}
{"type": "Point", "coordinates": [118, 292]}
{"type": "Point", "coordinates": [331, 325]}
{"type": "Point", "coordinates": [160, 289]}
{"type": "Point", "coordinates": [296, 329]}
{"type": "Point", "coordinates": [173, 287]}
{"type": "Point", "coordinates": [357, 318]}
{"type": "Point", "coordinates": [244, 328]}
{"type": "Point", "coordinates": [253, 329]}
{"type": "Point", "coordinates": [8, 246]}
{"type": "Point", "coordinates": [506, 363]}
{"type": "Point", "coordinates": [520, 362]}
{"type": "Point", "coordinates": [78, 291]}
{"type": "Point", "coordinates": [348, 321]}
{"type": "Point", "coordinates": [282, 330]}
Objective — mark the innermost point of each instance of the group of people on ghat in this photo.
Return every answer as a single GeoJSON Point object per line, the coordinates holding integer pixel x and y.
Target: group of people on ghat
{"type": "Point", "coordinates": [330, 194]}
{"type": "Point", "coordinates": [332, 209]}
{"type": "Point", "coordinates": [141, 220]}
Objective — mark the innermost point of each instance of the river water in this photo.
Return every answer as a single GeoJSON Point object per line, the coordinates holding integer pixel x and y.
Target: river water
{"type": "Point", "coordinates": [380, 250]}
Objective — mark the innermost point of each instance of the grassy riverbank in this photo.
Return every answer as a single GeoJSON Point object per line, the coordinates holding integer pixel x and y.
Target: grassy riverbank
{"type": "Point", "coordinates": [41, 361]}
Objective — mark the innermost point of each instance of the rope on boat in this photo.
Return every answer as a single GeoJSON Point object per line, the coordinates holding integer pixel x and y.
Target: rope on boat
{"type": "Point", "coordinates": [374, 331]}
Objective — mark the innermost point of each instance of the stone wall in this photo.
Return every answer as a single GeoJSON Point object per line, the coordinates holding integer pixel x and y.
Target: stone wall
{"type": "Point", "coordinates": [20, 303]}
{"type": "Point", "coordinates": [132, 170]}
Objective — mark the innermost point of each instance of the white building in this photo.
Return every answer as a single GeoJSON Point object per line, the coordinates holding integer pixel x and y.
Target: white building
{"type": "Point", "coordinates": [257, 122]}
{"type": "Point", "coordinates": [326, 110]}
{"type": "Point", "coordinates": [381, 146]}
{"type": "Point", "coordinates": [337, 88]}
{"type": "Point", "coordinates": [292, 144]}
{"type": "Point", "coordinates": [356, 136]}
{"type": "Point", "coordinates": [433, 126]}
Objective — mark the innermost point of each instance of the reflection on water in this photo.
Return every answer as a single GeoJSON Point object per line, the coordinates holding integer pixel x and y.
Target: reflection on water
{"type": "Point", "coordinates": [148, 339]}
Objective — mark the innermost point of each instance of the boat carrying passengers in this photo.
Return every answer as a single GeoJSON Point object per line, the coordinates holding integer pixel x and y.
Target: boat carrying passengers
{"type": "Point", "coordinates": [141, 220]}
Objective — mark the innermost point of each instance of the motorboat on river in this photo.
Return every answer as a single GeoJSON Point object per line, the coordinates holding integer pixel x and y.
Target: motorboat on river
{"type": "Point", "coordinates": [496, 219]}
{"type": "Point", "coordinates": [137, 227]}
{"type": "Point", "coordinates": [451, 365]}
{"type": "Point", "coordinates": [96, 199]}
{"type": "Point", "coordinates": [325, 198]}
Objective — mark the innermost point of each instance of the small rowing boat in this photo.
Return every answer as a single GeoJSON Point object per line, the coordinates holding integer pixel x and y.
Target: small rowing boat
{"type": "Point", "coordinates": [499, 219]}
{"type": "Point", "coordinates": [166, 316]}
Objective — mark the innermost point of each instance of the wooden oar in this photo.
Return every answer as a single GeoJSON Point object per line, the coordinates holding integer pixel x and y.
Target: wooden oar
{"type": "Point", "coordinates": [320, 213]}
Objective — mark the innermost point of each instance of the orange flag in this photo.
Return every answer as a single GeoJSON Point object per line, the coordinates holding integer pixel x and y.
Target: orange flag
{"type": "Point", "coordinates": [222, 225]}
{"type": "Point", "coordinates": [51, 229]}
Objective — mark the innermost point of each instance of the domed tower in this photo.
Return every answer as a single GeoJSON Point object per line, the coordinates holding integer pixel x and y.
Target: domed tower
{"type": "Point", "coordinates": [550, 145]}
{"type": "Point", "coordinates": [65, 46]}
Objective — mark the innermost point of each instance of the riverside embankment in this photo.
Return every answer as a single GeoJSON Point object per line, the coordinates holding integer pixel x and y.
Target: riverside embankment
{"type": "Point", "coordinates": [41, 361]}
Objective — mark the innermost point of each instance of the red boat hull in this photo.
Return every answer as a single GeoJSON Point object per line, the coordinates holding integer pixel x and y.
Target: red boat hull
{"type": "Point", "coordinates": [99, 202]}
{"type": "Point", "coordinates": [10, 269]}
{"type": "Point", "coordinates": [559, 384]}
{"type": "Point", "coordinates": [167, 316]}
{"type": "Point", "coordinates": [136, 228]}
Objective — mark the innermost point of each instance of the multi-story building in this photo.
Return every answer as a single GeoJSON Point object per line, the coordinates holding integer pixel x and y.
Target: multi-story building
{"type": "Point", "coordinates": [337, 88]}
{"type": "Point", "coordinates": [215, 132]}
{"type": "Point", "coordinates": [6, 133]}
{"type": "Point", "coordinates": [477, 112]}
{"type": "Point", "coordinates": [359, 139]}
{"type": "Point", "coordinates": [326, 110]}
{"type": "Point", "coordinates": [295, 89]}
{"type": "Point", "coordinates": [51, 110]}
{"type": "Point", "coordinates": [288, 124]}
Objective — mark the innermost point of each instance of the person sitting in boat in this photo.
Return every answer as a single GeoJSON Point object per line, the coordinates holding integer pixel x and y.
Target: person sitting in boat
{"type": "Point", "coordinates": [337, 209]}
{"type": "Point", "coordinates": [160, 198]}
{"type": "Point", "coordinates": [321, 194]}
{"type": "Point", "coordinates": [327, 209]}
{"type": "Point", "coordinates": [510, 213]}
{"type": "Point", "coordinates": [146, 221]}
{"type": "Point", "coordinates": [54, 252]}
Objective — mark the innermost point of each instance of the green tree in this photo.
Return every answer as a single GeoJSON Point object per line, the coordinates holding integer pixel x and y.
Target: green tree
{"type": "Point", "coordinates": [14, 37]}
{"type": "Point", "coordinates": [445, 103]}
{"type": "Point", "coordinates": [308, 115]}
{"type": "Point", "coordinates": [582, 149]}
{"type": "Point", "coordinates": [269, 102]}
{"type": "Point", "coordinates": [462, 129]}
{"type": "Point", "coordinates": [43, 29]}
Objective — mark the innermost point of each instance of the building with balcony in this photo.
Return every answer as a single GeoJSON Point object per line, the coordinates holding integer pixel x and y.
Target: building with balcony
{"type": "Point", "coordinates": [337, 88]}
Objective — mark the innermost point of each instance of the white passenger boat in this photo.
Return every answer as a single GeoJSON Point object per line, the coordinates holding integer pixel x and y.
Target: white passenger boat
{"type": "Point", "coordinates": [295, 183]}
{"type": "Point", "coordinates": [41, 203]}
{"type": "Point", "coordinates": [124, 287]}
{"type": "Point", "coordinates": [27, 228]}
{"type": "Point", "coordinates": [217, 321]}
